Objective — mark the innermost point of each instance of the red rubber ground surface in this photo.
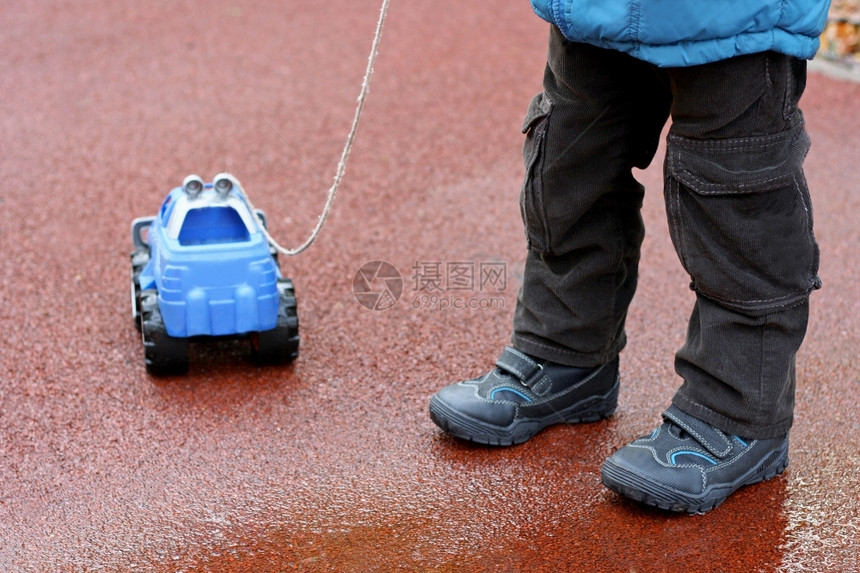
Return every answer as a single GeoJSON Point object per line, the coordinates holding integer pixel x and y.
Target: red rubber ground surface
{"type": "Point", "coordinates": [332, 464]}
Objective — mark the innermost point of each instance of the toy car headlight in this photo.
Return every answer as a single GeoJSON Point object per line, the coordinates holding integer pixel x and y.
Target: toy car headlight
{"type": "Point", "coordinates": [224, 184]}
{"type": "Point", "coordinates": [192, 185]}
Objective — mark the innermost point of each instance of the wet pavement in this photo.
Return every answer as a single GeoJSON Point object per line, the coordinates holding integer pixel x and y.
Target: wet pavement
{"type": "Point", "coordinates": [332, 463]}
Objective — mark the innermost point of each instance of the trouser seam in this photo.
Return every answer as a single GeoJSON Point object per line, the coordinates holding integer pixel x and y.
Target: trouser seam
{"type": "Point", "coordinates": [807, 208]}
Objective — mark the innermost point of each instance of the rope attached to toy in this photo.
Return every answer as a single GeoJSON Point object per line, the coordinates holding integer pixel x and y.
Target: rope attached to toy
{"type": "Point", "coordinates": [341, 166]}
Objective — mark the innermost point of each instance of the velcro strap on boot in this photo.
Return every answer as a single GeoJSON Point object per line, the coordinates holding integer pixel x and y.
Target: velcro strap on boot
{"type": "Point", "coordinates": [525, 369]}
{"type": "Point", "coordinates": [710, 437]}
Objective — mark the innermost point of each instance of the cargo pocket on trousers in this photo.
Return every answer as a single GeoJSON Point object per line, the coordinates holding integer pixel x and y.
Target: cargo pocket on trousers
{"type": "Point", "coordinates": [532, 205]}
{"type": "Point", "coordinates": [740, 218]}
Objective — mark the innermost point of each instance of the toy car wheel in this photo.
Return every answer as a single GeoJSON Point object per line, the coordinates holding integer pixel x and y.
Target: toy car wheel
{"type": "Point", "coordinates": [281, 344]}
{"type": "Point", "coordinates": [139, 260]}
{"type": "Point", "coordinates": [165, 355]}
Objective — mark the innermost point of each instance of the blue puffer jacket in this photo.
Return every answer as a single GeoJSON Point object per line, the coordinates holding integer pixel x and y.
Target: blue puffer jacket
{"type": "Point", "coordinates": [690, 32]}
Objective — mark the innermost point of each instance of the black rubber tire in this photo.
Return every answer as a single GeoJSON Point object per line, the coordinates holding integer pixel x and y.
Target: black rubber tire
{"type": "Point", "coordinates": [281, 344]}
{"type": "Point", "coordinates": [164, 355]}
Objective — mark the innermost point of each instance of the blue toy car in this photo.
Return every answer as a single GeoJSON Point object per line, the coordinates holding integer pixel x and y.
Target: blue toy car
{"type": "Point", "coordinates": [202, 269]}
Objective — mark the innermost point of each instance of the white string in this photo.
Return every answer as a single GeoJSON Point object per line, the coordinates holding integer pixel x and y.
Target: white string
{"type": "Point", "coordinates": [341, 166]}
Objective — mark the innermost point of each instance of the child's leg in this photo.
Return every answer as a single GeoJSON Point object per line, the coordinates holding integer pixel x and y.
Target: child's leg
{"type": "Point", "coordinates": [741, 219]}
{"type": "Point", "coordinates": [600, 115]}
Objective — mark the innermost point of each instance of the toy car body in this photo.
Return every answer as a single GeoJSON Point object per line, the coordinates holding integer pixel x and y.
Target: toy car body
{"type": "Point", "coordinates": [203, 268]}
